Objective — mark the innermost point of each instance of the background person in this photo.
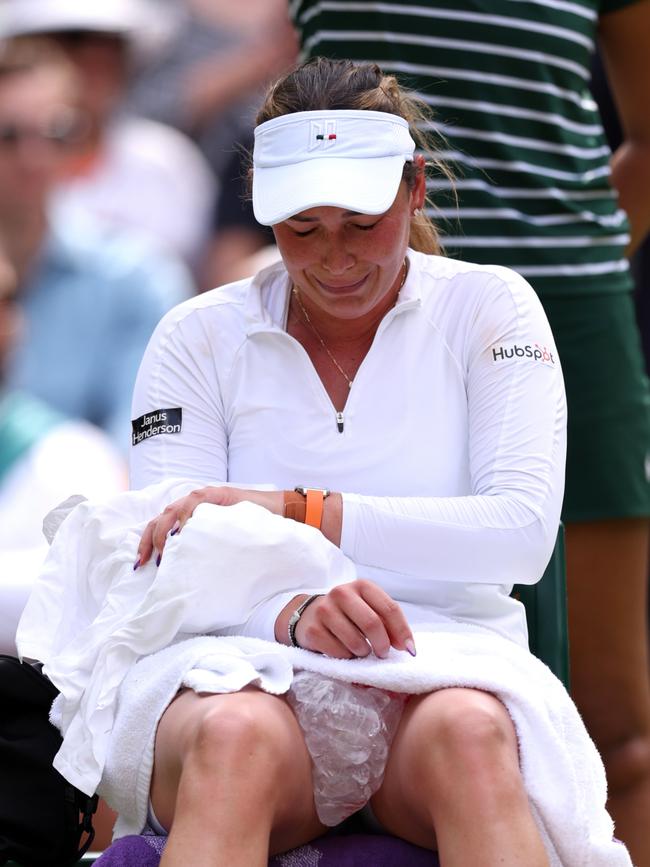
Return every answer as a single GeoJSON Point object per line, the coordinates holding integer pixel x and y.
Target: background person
{"type": "Point", "coordinates": [43, 457]}
{"type": "Point", "coordinates": [128, 172]}
{"type": "Point", "coordinates": [90, 301]}
{"type": "Point", "coordinates": [536, 193]}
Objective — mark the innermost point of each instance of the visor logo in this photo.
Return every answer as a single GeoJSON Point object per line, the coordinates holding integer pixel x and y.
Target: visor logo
{"type": "Point", "coordinates": [322, 134]}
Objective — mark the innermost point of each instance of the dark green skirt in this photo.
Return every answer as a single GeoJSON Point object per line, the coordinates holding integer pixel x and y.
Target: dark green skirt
{"type": "Point", "coordinates": [608, 457]}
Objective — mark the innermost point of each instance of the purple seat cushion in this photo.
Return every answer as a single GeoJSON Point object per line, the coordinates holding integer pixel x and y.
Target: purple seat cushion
{"type": "Point", "coordinates": [355, 850]}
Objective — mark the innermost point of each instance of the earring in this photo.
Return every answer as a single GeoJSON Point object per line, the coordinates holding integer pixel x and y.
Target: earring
{"type": "Point", "coordinates": [417, 212]}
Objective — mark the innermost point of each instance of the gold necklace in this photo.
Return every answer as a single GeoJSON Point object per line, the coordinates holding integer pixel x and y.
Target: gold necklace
{"type": "Point", "coordinates": [312, 327]}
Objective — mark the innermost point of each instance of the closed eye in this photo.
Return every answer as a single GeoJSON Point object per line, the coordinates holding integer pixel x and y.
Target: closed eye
{"type": "Point", "coordinates": [364, 228]}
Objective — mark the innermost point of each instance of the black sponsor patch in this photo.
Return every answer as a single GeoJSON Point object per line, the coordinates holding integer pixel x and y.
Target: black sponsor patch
{"type": "Point", "coordinates": [158, 421]}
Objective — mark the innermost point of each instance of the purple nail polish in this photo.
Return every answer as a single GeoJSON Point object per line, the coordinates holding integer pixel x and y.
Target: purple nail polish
{"type": "Point", "coordinates": [136, 565]}
{"type": "Point", "coordinates": [158, 559]}
{"type": "Point", "coordinates": [410, 646]}
{"type": "Point", "coordinates": [175, 529]}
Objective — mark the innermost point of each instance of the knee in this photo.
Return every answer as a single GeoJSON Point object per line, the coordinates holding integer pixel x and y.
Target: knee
{"type": "Point", "coordinates": [627, 764]}
{"type": "Point", "coordinates": [236, 733]}
{"type": "Point", "coordinates": [472, 731]}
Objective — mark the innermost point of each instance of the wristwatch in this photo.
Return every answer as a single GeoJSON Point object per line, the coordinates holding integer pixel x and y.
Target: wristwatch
{"type": "Point", "coordinates": [295, 617]}
{"type": "Point", "coordinates": [305, 505]}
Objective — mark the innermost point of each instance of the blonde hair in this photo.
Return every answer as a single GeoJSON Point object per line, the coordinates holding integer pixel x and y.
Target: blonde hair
{"type": "Point", "coordinates": [323, 83]}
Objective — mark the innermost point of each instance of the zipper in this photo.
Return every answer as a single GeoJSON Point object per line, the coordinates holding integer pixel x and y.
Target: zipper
{"type": "Point", "coordinates": [339, 421]}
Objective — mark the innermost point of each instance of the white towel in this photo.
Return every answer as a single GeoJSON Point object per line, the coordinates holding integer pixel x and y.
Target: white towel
{"type": "Point", "coordinates": [562, 771]}
{"type": "Point", "coordinates": [90, 616]}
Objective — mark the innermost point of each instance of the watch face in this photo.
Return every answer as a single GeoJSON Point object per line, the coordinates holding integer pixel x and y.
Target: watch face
{"type": "Point", "coordinates": [301, 489]}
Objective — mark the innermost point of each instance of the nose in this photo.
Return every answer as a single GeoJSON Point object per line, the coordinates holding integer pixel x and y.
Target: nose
{"type": "Point", "coordinates": [336, 258]}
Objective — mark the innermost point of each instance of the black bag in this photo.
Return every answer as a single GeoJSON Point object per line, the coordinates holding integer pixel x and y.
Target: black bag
{"type": "Point", "coordinates": [42, 817]}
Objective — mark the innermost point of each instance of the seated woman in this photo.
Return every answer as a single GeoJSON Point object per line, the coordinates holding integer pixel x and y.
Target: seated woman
{"type": "Point", "coordinates": [410, 407]}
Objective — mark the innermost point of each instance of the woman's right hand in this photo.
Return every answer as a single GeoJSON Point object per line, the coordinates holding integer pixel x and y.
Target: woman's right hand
{"type": "Point", "coordinates": [351, 620]}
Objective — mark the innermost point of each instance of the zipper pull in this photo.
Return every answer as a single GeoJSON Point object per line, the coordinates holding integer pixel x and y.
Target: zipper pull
{"type": "Point", "coordinates": [339, 421]}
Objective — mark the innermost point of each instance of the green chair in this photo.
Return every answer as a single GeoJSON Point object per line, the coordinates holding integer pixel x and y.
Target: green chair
{"type": "Point", "coordinates": [546, 613]}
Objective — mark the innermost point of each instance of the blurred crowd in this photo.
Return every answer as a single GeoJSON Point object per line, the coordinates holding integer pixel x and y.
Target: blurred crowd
{"type": "Point", "coordinates": [124, 132]}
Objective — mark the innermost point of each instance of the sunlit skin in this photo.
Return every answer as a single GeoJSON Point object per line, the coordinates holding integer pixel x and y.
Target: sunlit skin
{"type": "Point", "coordinates": [348, 266]}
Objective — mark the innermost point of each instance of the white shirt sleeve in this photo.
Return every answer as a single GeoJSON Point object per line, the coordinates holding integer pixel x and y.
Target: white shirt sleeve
{"type": "Point", "coordinates": [178, 429]}
{"type": "Point", "coordinates": [504, 530]}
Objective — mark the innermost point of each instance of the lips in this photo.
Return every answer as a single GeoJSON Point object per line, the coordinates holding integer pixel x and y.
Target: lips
{"type": "Point", "coordinates": [342, 287]}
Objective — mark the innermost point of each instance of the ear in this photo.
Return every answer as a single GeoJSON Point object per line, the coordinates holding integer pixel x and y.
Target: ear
{"type": "Point", "coordinates": [419, 191]}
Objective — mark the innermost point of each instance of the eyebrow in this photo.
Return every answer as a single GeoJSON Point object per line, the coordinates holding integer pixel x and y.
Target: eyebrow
{"type": "Point", "coordinates": [300, 219]}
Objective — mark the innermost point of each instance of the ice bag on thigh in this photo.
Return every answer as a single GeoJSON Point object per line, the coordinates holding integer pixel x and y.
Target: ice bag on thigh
{"type": "Point", "coordinates": [348, 730]}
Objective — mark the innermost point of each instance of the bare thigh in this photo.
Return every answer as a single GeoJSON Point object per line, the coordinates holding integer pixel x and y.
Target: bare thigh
{"type": "Point", "coordinates": [257, 748]}
{"type": "Point", "coordinates": [407, 800]}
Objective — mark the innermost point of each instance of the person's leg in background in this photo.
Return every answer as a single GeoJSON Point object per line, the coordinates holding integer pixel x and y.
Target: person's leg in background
{"type": "Point", "coordinates": [607, 591]}
{"type": "Point", "coordinates": [606, 509]}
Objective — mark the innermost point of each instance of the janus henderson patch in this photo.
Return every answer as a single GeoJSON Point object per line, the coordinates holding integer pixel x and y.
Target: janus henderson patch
{"type": "Point", "coordinates": [155, 423]}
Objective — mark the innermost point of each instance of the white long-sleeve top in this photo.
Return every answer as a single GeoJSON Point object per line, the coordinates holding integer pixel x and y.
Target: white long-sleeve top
{"type": "Point", "coordinates": [449, 453]}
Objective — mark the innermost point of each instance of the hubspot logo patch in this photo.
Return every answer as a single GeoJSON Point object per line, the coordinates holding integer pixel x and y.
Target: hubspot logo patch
{"type": "Point", "coordinates": [534, 351]}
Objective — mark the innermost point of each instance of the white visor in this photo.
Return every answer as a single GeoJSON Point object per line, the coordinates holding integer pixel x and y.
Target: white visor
{"type": "Point", "coordinates": [339, 158]}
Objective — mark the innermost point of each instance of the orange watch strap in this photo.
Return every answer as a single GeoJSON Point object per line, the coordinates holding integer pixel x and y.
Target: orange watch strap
{"type": "Point", "coordinates": [314, 511]}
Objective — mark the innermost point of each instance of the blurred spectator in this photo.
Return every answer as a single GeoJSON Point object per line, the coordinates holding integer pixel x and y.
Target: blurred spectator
{"type": "Point", "coordinates": [44, 458]}
{"type": "Point", "coordinates": [209, 77]}
{"type": "Point", "coordinates": [208, 81]}
{"type": "Point", "coordinates": [237, 237]}
{"type": "Point", "coordinates": [128, 171]}
{"type": "Point", "coordinates": [90, 302]}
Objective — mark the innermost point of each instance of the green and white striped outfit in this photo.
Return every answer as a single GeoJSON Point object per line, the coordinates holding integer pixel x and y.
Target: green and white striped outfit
{"type": "Point", "coordinates": [508, 81]}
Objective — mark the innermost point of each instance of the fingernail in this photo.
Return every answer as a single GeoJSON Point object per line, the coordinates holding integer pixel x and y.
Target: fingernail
{"type": "Point", "coordinates": [175, 528]}
{"type": "Point", "coordinates": [410, 646]}
{"type": "Point", "coordinates": [159, 558]}
{"type": "Point", "coordinates": [136, 564]}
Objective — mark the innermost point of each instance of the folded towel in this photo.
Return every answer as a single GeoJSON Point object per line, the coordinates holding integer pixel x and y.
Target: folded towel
{"type": "Point", "coordinates": [561, 768]}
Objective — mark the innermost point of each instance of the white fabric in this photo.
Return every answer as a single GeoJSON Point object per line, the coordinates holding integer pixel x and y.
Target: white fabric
{"type": "Point", "coordinates": [111, 16]}
{"type": "Point", "coordinates": [451, 461]}
{"type": "Point", "coordinates": [151, 179]}
{"type": "Point", "coordinates": [91, 616]}
{"type": "Point", "coordinates": [137, 20]}
{"type": "Point", "coordinates": [71, 456]}
{"type": "Point", "coordinates": [562, 771]}
{"type": "Point", "coordinates": [344, 158]}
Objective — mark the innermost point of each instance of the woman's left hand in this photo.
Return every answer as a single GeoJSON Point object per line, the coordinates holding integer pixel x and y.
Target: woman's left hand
{"type": "Point", "coordinates": [174, 517]}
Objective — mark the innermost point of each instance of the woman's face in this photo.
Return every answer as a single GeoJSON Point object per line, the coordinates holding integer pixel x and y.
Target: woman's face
{"type": "Point", "coordinates": [348, 264]}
